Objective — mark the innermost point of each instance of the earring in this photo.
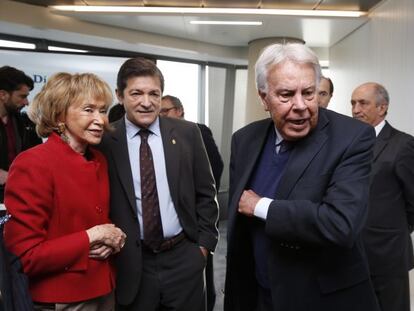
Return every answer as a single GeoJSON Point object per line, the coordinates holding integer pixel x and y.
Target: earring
{"type": "Point", "coordinates": [61, 130]}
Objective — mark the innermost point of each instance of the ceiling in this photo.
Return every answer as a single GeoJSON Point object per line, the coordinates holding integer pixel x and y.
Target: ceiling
{"type": "Point", "coordinates": [315, 31]}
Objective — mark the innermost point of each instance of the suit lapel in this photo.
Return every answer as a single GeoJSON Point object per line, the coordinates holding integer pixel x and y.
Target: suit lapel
{"type": "Point", "coordinates": [301, 155]}
{"type": "Point", "coordinates": [382, 140]}
{"type": "Point", "coordinates": [171, 144]}
{"type": "Point", "coordinates": [119, 150]}
{"type": "Point", "coordinates": [252, 157]}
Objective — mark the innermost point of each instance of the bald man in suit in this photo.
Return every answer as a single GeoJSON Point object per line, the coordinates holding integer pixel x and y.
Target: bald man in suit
{"type": "Point", "coordinates": [391, 200]}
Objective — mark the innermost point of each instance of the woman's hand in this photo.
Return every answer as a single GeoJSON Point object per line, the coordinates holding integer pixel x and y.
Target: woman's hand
{"type": "Point", "coordinates": [108, 235]}
{"type": "Point", "coordinates": [100, 251]}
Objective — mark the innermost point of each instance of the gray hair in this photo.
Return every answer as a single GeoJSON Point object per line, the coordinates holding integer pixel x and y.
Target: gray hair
{"type": "Point", "coordinates": [175, 101]}
{"type": "Point", "coordinates": [381, 94]}
{"type": "Point", "coordinates": [277, 53]}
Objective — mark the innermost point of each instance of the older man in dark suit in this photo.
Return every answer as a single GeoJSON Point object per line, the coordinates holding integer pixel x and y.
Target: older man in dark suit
{"type": "Point", "coordinates": [391, 201]}
{"type": "Point", "coordinates": [162, 197]}
{"type": "Point", "coordinates": [298, 197]}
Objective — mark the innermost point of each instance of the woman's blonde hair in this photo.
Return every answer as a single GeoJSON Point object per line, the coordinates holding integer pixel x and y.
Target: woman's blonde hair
{"type": "Point", "coordinates": [61, 91]}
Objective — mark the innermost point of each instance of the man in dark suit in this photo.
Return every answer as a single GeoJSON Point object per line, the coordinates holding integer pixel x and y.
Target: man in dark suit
{"type": "Point", "coordinates": [17, 132]}
{"type": "Point", "coordinates": [298, 197]}
{"type": "Point", "coordinates": [158, 270]}
{"type": "Point", "coordinates": [391, 200]}
{"type": "Point", "coordinates": [172, 107]}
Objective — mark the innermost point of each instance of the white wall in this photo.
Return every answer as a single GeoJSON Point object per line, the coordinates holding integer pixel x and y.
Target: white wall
{"type": "Point", "coordinates": [379, 51]}
{"type": "Point", "coordinates": [216, 96]}
{"type": "Point", "coordinates": [240, 93]}
{"type": "Point", "coordinates": [40, 66]}
{"type": "Point", "coordinates": [181, 79]}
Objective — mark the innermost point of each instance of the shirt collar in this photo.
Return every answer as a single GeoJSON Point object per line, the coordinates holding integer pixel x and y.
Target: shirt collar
{"type": "Point", "coordinates": [133, 129]}
{"type": "Point", "coordinates": [379, 127]}
{"type": "Point", "coordinates": [279, 137]}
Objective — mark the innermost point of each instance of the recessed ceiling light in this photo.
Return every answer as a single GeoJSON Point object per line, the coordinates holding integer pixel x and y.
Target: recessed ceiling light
{"type": "Point", "coordinates": [60, 49]}
{"type": "Point", "coordinates": [16, 44]}
{"type": "Point", "coordinates": [226, 23]}
{"type": "Point", "coordinates": [197, 10]}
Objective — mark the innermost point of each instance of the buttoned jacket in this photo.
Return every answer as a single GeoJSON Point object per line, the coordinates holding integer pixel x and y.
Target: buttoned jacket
{"type": "Point", "coordinates": [391, 204]}
{"type": "Point", "coordinates": [316, 259]}
{"type": "Point", "coordinates": [54, 195]}
{"type": "Point", "coordinates": [191, 186]}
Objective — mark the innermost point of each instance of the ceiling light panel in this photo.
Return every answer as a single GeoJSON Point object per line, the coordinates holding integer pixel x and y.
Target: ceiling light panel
{"type": "Point", "coordinates": [17, 45]}
{"type": "Point", "coordinates": [240, 23]}
{"type": "Point", "coordinates": [62, 49]}
{"type": "Point", "coordinates": [197, 10]}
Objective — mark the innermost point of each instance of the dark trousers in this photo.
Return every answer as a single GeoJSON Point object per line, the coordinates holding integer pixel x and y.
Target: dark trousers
{"type": "Point", "coordinates": [210, 287]}
{"type": "Point", "coordinates": [393, 293]}
{"type": "Point", "coordinates": [171, 280]}
{"type": "Point", "coordinates": [264, 300]}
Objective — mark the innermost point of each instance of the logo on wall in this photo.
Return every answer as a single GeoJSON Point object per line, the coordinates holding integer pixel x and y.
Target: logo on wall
{"type": "Point", "coordinates": [39, 78]}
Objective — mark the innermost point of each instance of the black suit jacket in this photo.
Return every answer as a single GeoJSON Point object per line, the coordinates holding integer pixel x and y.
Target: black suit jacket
{"type": "Point", "coordinates": [213, 153]}
{"type": "Point", "coordinates": [391, 205]}
{"type": "Point", "coordinates": [14, 284]}
{"type": "Point", "coordinates": [192, 190]}
{"type": "Point", "coordinates": [316, 259]}
{"type": "Point", "coordinates": [25, 139]}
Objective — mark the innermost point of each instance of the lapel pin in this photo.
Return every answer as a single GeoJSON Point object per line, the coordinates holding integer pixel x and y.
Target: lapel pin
{"type": "Point", "coordinates": [173, 141]}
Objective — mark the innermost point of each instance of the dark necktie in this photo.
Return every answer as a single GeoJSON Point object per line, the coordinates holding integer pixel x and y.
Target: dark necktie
{"type": "Point", "coordinates": [284, 146]}
{"type": "Point", "coordinates": [151, 216]}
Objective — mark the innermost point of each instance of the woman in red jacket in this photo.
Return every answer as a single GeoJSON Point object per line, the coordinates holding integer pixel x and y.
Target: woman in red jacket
{"type": "Point", "coordinates": [57, 195]}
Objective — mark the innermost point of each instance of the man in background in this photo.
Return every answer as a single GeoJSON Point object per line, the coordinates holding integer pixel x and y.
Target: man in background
{"type": "Point", "coordinates": [17, 132]}
{"type": "Point", "coordinates": [116, 112]}
{"type": "Point", "coordinates": [325, 92]}
{"type": "Point", "coordinates": [391, 200]}
{"type": "Point", "coordinates": [172, 107]}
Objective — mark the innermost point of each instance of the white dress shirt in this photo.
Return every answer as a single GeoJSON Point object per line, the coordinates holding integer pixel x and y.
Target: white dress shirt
{"type": "Point", "coordinates": [379, 127]}
{"type": "Point", "coordinates": [170, 224]}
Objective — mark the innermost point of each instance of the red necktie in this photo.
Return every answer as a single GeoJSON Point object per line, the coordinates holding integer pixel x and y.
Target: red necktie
{"type": "Point", "coordinates": [151, 217]}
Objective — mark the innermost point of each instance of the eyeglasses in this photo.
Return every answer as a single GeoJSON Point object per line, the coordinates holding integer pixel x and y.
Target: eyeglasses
{"type": "Point", "coordinates": [166, 110]}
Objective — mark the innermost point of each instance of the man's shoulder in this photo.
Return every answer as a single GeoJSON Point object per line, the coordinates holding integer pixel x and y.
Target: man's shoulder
{"type": "Point", "coordinates": [27, 130]}
{"type": "Point", "coordinates": [24, 122]}
{"type": "Point", "coordinates": [47, 153]}
{"type": "Point", "coordinates": [114, 129]}
{"type": "Point", "coordinates": [341, 118]}
{"type": "Point", "coordinates": [176, 121]}
{"type": "Point", "coordinates": [177, 124]}
{"type": "Point", "coordinates": [397, 140]}
{"type": "Point", "coordinates": [341, 124]}
{"type": "Point", "coordinates": [398, 134]}
{"type": "Point", "coordinates": [251, 128]}
{"type": "Point", "coordinates": [203, 127]}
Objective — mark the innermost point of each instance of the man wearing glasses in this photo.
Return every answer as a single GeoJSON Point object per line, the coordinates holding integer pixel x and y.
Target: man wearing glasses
{"type": "Point", "coordinates": [172, 107]}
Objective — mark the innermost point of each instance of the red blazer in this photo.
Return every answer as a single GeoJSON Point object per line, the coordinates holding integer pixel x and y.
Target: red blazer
{"type": "Point", "coordinates": [53, 195]}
